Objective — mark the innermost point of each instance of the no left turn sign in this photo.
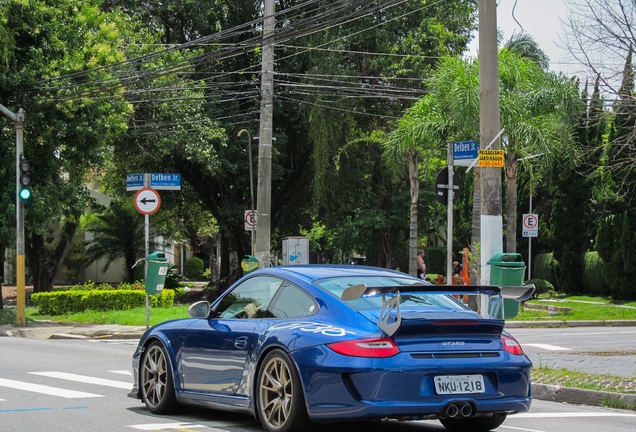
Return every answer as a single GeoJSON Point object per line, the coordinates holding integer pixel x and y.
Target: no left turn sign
{"type": "Point", "coordinates": [147, 201]}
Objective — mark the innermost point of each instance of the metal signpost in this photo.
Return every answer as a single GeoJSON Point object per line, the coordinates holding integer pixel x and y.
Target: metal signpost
{"type": "Point", "coordinates": [147, 202]}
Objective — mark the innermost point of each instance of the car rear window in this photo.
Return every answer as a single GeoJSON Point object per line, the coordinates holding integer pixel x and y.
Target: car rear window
{"type": "Point", "coordinates": [336, 287]}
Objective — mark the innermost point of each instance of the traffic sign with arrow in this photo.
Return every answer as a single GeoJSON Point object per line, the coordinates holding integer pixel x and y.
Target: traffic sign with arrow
{"type": "Point", "coordinates": [147, 201]}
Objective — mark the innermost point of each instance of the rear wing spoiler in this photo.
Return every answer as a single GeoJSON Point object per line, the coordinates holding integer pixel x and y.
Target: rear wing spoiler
{"type": "Point", "coordinates": [392, 303]}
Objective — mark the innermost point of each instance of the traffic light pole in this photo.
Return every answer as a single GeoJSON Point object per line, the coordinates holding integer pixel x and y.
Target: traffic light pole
{"type": "Point", "coordinates": [18, 119]}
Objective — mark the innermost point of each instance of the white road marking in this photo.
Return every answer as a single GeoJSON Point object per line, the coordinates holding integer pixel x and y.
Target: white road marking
{"type": "Point", "coordinates": [52, 391]}
{"type": "Point", "coordinates": [521, 429]}
{"type": "Point", "coordinates": [571, 415]}
{"type": "Point", "coordinates": [85, 379]}
{"type": "Point", "coordinates": [165, 426]}
{"type": "Point", "coordinates": [122, 372]}
{"type": "Point", "coordinates": [547, 347]}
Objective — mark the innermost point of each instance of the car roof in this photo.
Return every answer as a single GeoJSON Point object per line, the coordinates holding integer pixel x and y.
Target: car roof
{"type": "Point", "coordinates": [312, 272]}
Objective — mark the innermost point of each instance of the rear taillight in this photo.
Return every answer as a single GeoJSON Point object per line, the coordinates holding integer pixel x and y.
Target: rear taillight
{"type": "Point", "coordinates": [377, 348]}
{"type": "Point", "coordinates": [511, 345]}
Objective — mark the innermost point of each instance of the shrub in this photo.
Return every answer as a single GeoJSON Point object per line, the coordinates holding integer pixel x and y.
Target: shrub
{"type": "Point", "coordinates": [70, 301]}
{"type": "Point", "coordinates": [194, 268]}
{"type": "Point", "coordinates": [544, 267]}
{"type": "Point", "coordinates": [435, 260]}
{"type": "Point", "coordinates": [542, 287]}
{"type": "Point", "coordinates": [172, 278]}
{"type": "Point", "coordinates": [593, 281]}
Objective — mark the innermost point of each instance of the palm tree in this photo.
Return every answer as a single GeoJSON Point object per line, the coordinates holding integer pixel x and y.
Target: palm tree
{"type": "Point", "coordinates": [537, 113]}
{"type": "Point", "coordinates": [418, 136]}
{"type": "Point", "coordinates": [524, 45]}
{"type": "Point", "coordinates": [117, 232]}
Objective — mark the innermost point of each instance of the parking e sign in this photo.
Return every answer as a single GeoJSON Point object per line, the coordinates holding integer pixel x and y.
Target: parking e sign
{"type": "Point", "coordinates": [530, 226]}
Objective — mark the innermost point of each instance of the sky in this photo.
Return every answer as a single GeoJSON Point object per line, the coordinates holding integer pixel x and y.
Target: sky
{"type": "Point", "coordinates": [542, 20]}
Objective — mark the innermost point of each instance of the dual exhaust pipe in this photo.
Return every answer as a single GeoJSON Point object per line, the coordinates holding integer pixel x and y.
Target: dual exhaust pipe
{"type": "Point", "coordinates": [458, 410]}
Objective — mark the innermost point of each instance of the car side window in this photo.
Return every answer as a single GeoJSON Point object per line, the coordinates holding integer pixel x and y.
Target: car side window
{"type": "Point", "coordinates": [250, 299]}
{"type": "Point", "coordinates": [293, 302]}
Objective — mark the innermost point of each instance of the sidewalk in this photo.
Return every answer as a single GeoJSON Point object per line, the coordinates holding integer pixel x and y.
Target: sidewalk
{"type": "Point", "coordinates": [51, 330]}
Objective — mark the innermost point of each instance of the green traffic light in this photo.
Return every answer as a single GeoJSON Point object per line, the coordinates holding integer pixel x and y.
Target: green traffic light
{"type": "Point", "coordinates": [25, 194]}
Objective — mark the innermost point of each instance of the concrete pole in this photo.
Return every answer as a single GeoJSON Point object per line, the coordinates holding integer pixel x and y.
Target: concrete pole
{"type": "Point", "coordinates": [264, 187]}
{"type": "Point", "coordinates": [18, 119]}
{"type": "Point", "coordinates": [489, 127]}
{"type": "Point", "coordinates": [19, 213]}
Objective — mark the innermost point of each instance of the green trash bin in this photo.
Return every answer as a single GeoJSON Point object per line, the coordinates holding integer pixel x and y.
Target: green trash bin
{"type": "Point", "coordinates": [156, 272]}
{"type": "Point", "coordinates": [249, 263]}
{"type": "Point", "coordinates": [507, 269]}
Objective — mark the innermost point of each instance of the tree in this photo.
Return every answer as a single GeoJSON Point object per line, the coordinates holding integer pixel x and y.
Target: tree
{"type": "Point", "coordinates": [537, 109]}
{"type": "Point", "coordinates": [65, 136]}
{"type": "Point", "coordinates": [117, 232]}
{"type": "Point", "coordinates": [598, 33]}
{"type": "Point", "coordinates": [418, 137]}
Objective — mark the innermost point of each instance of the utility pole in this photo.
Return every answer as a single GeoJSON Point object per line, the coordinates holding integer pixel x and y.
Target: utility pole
{"type": "Point", "coordinates": [489, 126]}
{"type": "Point", "coordinates": [264, 187]}
{"type": "Point", "coordinates": [18, 119]}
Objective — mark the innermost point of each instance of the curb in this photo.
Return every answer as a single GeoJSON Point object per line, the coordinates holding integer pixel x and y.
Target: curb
{"type": "Point", "coordinates": [558, 323]}
{"type": "Point", "coordinates": [556, 393]}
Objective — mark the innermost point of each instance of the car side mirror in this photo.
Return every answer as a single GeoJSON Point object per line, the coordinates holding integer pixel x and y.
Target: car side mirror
{"type": "Point", "coordinates": [200, 309]}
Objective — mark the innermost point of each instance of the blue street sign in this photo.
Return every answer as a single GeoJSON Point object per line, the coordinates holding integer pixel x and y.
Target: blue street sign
{"type": "Point", "coordinates": [165, 181]}
{"type": "Point", "coordinates": [134, 182]}
{"type": "Point", "coordinates": [465, 152]}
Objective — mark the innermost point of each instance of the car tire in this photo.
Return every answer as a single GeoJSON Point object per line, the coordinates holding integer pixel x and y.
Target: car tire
{"type": "Point", "coordinates": [280, 402]}
{"type": "Point", "coordinates": [155, 380]}
{"type": "Point", "coordinates": [474, 424]}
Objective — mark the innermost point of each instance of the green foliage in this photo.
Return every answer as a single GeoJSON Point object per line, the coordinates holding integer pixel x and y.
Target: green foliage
{"type": "Point", "coordinates": [616, 245]}
{"type": "Point", "coordinates": [172, 278]}
{"type": "Point", "coordinates": [435, 260]}
{"type": "Point", "coordinates": [194, 268]}
{"type": "Point", "coordinates": [544, 267]}
{"type": "Point", "coordinates": [118, 232]}
{"type": "Point", "coordinates": [78, 300]}
{"type": "Point", "coordinates": [7, 316]}
{"type": "Point", "coordinates": [542, 288]}
{"type": "Point", "coordinates": [593, 281]}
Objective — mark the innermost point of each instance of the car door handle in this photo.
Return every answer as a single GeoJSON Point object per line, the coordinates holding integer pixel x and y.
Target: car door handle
{"type": "Point", "coordinates": [241, 342]}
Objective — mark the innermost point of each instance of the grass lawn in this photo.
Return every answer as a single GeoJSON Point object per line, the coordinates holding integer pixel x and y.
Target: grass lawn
{"type": "Point", "coordinates": [576, 308]}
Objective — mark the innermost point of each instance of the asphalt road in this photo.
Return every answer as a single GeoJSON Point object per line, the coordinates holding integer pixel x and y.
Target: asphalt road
{"type": "Point", "coordinates": [595, 350]}
{"type": "Point", "coordinates": [75, 385]}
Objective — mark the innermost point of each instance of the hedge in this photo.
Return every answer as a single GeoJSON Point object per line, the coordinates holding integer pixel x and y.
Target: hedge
{"type": "Point", "coordinates": [77, 300]}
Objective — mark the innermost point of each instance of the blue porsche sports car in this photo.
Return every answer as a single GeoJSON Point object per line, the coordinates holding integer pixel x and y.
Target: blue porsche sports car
{"type": "Point", "coordinates": [299, 344]}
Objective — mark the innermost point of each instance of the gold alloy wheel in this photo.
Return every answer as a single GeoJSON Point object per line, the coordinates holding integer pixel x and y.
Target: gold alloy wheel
{"type": "Point", "coordinates": [276, 389]}
{"type": "Point", "coordinates": [154, 376]}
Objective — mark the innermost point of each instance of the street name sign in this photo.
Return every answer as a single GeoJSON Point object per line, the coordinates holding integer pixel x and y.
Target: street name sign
{"type": "Point", "coordinates": [134, 181]}
{"type": "Point", "coordinates": [156, 181]}
{"type": "Point", "coordinates": [465, 152]}
{"type": "Point", "coordinates": [165, 181]}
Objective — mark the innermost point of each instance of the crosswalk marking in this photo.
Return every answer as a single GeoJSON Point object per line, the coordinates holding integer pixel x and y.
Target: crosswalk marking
{"type": "Point", "coordinates": [122, 372]}
{"type": "Point", "coordinates": [85, 379]}
{"type": "Point", "coordinates": [572, 414]}
{"type": "Point", "coordinates": [166, 426]}
{"type": "Point", "coordinates": [48, 390]}
{"type": "Point", "coordinates": [547, 347]}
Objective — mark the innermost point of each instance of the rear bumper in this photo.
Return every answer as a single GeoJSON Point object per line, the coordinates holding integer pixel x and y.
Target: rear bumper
{"type": "Point", "coordinates": [342, 388]}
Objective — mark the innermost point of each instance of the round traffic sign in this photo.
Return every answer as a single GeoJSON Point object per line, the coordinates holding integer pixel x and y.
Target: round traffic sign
{"type": "Point", "coordinates": [441, 186]}
{"type": "Point", "coordinates": [530, 221]}
{"type": "Point", "coordinates": [250, 220]}
{"type": "Point", "coordinates": [147, 201]}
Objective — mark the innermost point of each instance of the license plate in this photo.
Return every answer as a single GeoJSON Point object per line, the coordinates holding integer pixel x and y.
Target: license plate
{"type": "Point", "coordinates": [459, 384]}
